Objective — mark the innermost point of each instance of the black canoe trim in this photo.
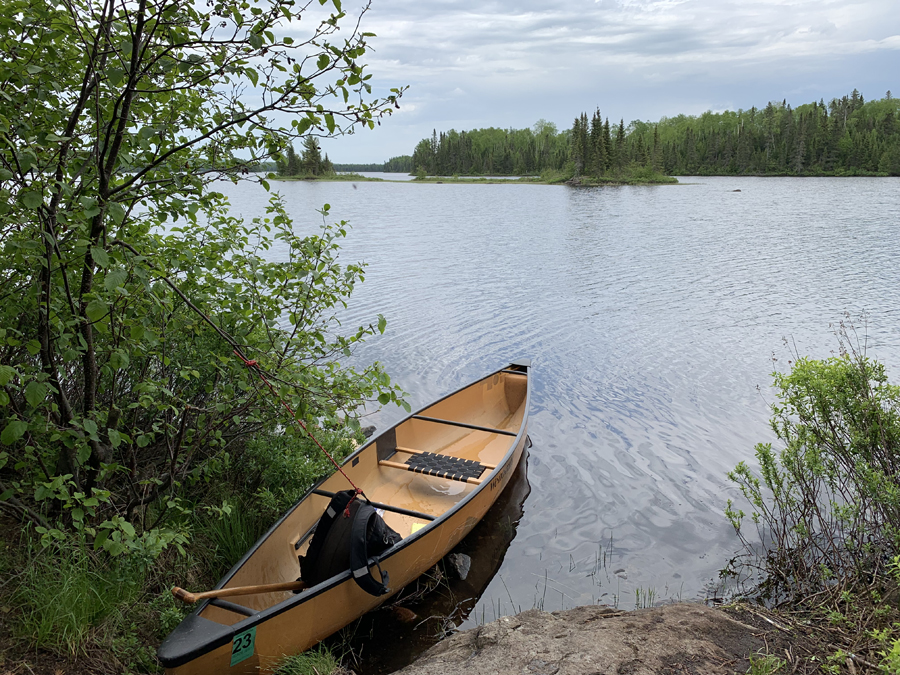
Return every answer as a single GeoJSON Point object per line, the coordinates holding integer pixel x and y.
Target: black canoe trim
{"type": "Point", "coordinates": [206, 639]}
{"type": "Point", "coordinates": [378, 505]}
{"type": "Point", "coordinates": [489, 430]}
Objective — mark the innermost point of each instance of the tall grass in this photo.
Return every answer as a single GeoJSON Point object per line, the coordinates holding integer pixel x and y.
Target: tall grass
{"type": "Point", "coordinates": [230, 535]}
{"type": "Point", "coordinates": [318, 661]}
{"type": "Point", "coordinates": [65, 593]}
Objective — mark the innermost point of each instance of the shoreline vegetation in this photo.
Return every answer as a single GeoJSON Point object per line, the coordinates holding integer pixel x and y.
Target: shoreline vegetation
{"type": "Point", "coordinates": [657, 179]}
{"type": "Point", "coordinates": [848, 136]}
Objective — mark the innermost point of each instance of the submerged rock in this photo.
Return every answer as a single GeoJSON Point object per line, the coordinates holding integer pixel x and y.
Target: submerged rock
{"type": "Point", "coordinates": [460, 563]}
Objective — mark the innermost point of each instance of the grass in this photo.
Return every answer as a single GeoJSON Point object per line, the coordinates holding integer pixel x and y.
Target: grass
{"type": "Point", "coordinates": [65, 594]}
{"type": "Point", "coordinates": [230, 535]}
{"type": "Point", "coordinates": [318, 661]}
{"type": "Point", "coordinates": [765, 664]}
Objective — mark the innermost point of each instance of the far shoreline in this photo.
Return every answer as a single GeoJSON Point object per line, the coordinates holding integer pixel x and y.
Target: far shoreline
{"type": "Point", "coordinates": [581, 181]}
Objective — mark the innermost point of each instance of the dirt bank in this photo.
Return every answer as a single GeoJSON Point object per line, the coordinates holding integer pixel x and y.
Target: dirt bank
{"type": "Point", "coordinates": [682, 638]}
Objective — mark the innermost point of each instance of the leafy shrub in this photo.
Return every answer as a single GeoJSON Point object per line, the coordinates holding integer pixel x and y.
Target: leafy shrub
{"type": "Point", "coordinates": [827, 506]}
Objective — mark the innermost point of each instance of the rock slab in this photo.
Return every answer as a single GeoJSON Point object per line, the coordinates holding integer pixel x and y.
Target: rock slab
{"type": "Point", "coordinates": [591, 640]}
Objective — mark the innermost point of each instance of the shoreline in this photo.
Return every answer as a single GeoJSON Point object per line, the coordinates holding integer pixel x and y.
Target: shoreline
{"type": "Point", "coordinates": [477, 180]}
{"type": "Point", "coordinates": [676, 638]}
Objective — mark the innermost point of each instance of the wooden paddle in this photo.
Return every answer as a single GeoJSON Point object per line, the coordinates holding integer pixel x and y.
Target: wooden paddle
{"type": "Point", "coordinates": [191, 598]}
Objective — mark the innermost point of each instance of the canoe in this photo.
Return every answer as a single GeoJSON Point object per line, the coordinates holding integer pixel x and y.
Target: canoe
{"type": "Point", "coordinates": [375, 638]}
{"type": "Point", "coordinates": [433, 476]}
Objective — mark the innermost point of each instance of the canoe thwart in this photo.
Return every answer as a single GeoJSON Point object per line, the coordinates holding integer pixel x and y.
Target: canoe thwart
{"type": "Point", "coordinates": [386, 507]}
{"type": "Point", "coordinates": [232, 607]}
{"type": "Point", "coordinates": [476, 427]}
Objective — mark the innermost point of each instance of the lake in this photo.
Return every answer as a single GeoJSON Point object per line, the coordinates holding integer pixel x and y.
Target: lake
{"type": "Point", "coordinates": [653, 316]}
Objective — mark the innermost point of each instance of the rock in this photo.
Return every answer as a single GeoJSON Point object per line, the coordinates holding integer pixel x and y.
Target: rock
{"type": "Point", "coordinates": [404, 614]}
{"type": "Point", "coordinates": [671, 639]}
{"type": "Point", "coordinates": [368, 431]}
{"type": "Point", "coordinates": [460, 563]}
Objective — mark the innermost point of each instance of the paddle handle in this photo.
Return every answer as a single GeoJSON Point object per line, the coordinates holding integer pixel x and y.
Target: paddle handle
{"type": "Point", "coordinates": [191, 598]}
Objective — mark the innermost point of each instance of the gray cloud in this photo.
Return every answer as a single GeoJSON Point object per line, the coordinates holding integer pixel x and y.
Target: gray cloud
{"type": "Point", "coordinates": [508, 64]}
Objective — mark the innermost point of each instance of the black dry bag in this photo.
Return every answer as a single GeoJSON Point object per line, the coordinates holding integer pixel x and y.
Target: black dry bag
{"type": "Point", "coordinates": [347, 543]}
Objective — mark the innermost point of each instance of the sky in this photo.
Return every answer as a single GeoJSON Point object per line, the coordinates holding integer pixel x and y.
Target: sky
{"type": "Point", "coordinates": [508, 64]}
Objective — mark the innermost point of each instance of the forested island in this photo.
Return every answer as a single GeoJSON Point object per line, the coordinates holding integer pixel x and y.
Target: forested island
{"type": "Point", "coordinates": [846, 137]}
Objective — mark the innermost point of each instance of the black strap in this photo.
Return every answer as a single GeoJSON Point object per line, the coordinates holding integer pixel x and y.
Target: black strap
{"type": "Point", "coordinates": [359, 555]}
{"type": "Point", "coordinates": [312, 568]}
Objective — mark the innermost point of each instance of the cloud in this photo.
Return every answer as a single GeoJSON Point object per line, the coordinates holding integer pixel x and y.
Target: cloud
{"type": "Point", "coordinates": [510, 63]}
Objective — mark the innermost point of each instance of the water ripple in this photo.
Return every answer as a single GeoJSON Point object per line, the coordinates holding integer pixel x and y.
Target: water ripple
{"type": "Point", "coordinates": [651, 314]}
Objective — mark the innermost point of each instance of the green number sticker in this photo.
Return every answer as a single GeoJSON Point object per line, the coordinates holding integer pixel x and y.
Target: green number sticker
{"type": "Point", "coordinates": [242, 646]}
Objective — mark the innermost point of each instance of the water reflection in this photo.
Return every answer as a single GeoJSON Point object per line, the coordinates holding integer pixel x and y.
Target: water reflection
{"type": "Point", "coordinates": [388, 639]}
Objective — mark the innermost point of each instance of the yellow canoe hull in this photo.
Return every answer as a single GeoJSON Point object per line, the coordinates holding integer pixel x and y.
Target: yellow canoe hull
{"type": "Point", "coordinates": [484, 422]}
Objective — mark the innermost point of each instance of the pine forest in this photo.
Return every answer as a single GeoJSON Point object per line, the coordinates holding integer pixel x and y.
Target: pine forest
{"type": "Point", "coordinates": [848, 136]}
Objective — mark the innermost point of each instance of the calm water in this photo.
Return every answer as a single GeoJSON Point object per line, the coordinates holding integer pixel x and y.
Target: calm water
{"type": "Point", "coordinates": [651, 314]}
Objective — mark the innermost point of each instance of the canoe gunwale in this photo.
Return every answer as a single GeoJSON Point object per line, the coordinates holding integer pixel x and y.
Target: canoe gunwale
{"type": "Point", "coordinates": [225, 634]}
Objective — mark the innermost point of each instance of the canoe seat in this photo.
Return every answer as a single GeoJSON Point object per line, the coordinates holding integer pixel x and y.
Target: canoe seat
{"type": "Point", "coordinates": [444, 466]}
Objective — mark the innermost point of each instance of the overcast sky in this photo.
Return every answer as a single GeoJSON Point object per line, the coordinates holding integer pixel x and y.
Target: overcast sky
{"type": "Point", "coordinates": [507, 64]}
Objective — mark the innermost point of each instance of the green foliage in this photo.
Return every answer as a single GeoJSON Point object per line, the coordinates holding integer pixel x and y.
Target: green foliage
{"type": "Point", "coordinates": [765, 664]}
{"type": "Point", "coordinates": [66, 592]}
{"type": "Point", "coordinates": [848, 136]}
{"type": "Point", "coordinates": [826, 507]}
{"type": "Point", "coordinates": [829, 502]}
{"type": "Point", "coordinates": [229, 533]}
{"type": "Point", "coordinates": [317, 661]}
{"type": "Point", "coordinates": [491, 152]}
{"type": "Point", "coordinates": [123, 273]}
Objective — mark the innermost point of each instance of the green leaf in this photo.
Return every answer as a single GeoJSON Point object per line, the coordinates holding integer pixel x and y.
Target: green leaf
{"type": "Point", "coordinates": [119, 359]}
{"type": "Point", "coordinates": [33, 347]}
{"type": "Point", "coordinates": [100, 539]}
{"type": "Point", "coordinates": [90, 426]}
{"type": "Point", "coordinates": [329, 122]}
{"type": "Point", "coordinates": [382, 324]}
{"type": "Point", "coordinates": [323, 61]}
{"type": "Point", "coordinates": [116, 212]}
{"type": "Point", "coordinates": [384, 399]}
{"type": "Point", "coordinates": [96, 310]}
{"type": "Point", "coordinates": [114, 279]}
{"type": "Point", "coordinates": [115, 438]}
{"type": "Point", "coordinates": [100, 256]}
{"type": "Point", "coordinates": [31, 199]}
{"type": "Point", "coordinates": [35, 393]}
{"type": "Point", "coordinates": [13, 432]}
{"type": "Point", "coordinates": [7, 373]}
